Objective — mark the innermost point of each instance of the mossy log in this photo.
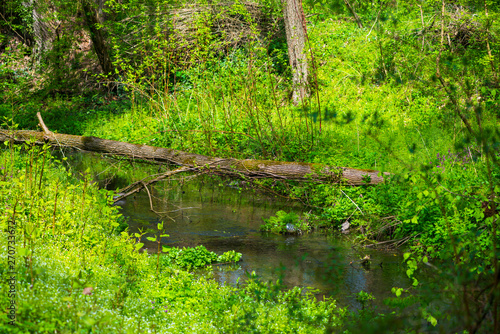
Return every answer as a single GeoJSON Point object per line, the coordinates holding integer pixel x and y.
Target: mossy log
{"type": "Point", "coordinates": [243, 168]}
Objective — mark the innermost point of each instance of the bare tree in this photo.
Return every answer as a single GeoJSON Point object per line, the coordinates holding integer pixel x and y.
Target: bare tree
{"type": "Point", "coordinates": [295, 27]}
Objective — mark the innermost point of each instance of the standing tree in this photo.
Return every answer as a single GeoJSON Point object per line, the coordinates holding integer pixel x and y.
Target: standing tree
{"type": "Point", "coordinates": [295, 27]}
{"type": "Point", "coordinates": [91, 12]}
{"type": "Point", "coordinates": [41, 31]}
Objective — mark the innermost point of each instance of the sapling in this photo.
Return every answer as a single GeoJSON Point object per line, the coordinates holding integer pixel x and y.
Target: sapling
{"type": "Point", "coordinates": [157, 239]}
{"type": "Point", "coordinates": [54, 213]}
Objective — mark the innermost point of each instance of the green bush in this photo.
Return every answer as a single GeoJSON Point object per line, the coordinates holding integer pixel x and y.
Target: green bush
{"type": "Point", "coordinates": [198, 257]}
{"type": "Point", "coordinates": [285, 223]}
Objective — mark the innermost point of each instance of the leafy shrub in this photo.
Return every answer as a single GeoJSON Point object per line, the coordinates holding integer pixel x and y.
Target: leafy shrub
{"type": "Point", "coordinates": [198, 257]}
{"type": "Point", "coordinates": [229, 256]}
{"type": "Point", "coordinates": [285, 223]}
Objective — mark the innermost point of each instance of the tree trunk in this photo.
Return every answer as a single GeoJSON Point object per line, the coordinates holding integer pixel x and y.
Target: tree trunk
{"type": "Point", "coordinates": [295, 27]}
{"type": "Point", "coordinates": [41, 35]}
{"type": "Point", "coordinates": [239, 168]}
{"type": "Point", "coordinates": [353, 12]}
{"type": "Point", "coordinates": [97, 36]}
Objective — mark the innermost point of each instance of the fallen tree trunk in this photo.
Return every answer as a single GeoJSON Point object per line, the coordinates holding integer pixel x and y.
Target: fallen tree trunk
{"type": "Point", "coordinates": [196, 162]}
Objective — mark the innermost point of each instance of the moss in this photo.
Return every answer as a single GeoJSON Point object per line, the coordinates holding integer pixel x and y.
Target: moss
{"type": "Point", "coordinates": [255, 165]}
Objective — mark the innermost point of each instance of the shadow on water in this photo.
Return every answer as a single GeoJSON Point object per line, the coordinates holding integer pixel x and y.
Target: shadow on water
{"type": "Point", "coordinates": [223, 215]}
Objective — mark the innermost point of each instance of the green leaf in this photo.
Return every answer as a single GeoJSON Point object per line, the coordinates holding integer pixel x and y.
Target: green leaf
{"type": "Point", "coordinates": [89, 322]}
{"type": "Point", "coordinates": [432, 320]}
{"type": "Point", "coordinates": [151, 239]}
{"type": "Point", "coordinates": [21, 251]}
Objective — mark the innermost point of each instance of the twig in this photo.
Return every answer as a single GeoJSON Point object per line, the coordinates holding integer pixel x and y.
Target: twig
{"type": "Point", "coordinates": [398, 242]}
{"type": "Point", "coordinates": [352, 202]}
{"type": "Point", "coordinates": [10, 26]}
{"type": "Point", "coordinates": [150, 199]}
{"type": "Point", "coordinates": [43, 126]}
{"type": "Point", "coordinates": [373, 24]}
{"type": "Point", "coordinates": [423, 27]}
{"type": "Point", "coordinates": [443, 82]}
{"type": "Point", "coordinates": [48, 134]}
{"type": "Point", "coordinates": [383, 242]}
{"type": "Point", "coordinates": [137, 186]}
{"type": "Point", "coordinates": [356, 17]}
{"type": "Point", "coordinates": [407, 239]}
{"type": "Point", "coordinates": [218, 131]}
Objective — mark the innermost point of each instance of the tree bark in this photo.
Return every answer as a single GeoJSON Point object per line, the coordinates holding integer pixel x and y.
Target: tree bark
{"type": "Point", "coordinates": [295, 28]}
{"type": "Point", "coordinates": [239, 168]}
{"type": "Point", "coordinates": [97, 36]}
{"type": "Point", "coordinates": [41, 35]}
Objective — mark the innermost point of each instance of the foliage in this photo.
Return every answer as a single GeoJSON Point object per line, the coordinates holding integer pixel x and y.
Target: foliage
{"type": "Point", "coordinates": [363, 298]}
{"type": "Point", "coordinates": [197, 257]}
{"type": "Point", "coordinates": [75, 273]}
{"type": "Point", "coordinates": [415, 92]}
{"type": "Point", "coordinates": [285, 223]}
{"type": "Point", "coordinates": [229, 256]}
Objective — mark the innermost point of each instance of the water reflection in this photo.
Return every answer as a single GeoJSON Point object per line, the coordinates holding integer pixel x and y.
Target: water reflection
{"type": "Point", "coordinates": [222, 218]}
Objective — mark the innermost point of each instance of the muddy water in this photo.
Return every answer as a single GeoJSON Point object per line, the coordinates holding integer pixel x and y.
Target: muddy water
{"type": "Point", "coordinates": [223, 215]}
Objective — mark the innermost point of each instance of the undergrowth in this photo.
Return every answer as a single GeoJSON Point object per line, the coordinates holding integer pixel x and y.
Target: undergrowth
{"type": "Point", "coordinates": [412, 89]}
{"type": "Point", "coordinates": [73, 272]}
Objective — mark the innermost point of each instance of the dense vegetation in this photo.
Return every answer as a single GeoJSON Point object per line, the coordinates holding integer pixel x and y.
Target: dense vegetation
{"type": "Point", "coordinates": [76, 273]}
{"type": "Point", "coordinates": [411, 88]}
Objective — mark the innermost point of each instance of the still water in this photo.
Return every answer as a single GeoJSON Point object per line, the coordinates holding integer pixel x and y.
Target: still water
{"type": "Point", "coordinates": [223, 214]}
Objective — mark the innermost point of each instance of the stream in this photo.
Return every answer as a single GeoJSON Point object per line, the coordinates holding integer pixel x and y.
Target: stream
{"type": "Point", "coordinates": [223, 214]}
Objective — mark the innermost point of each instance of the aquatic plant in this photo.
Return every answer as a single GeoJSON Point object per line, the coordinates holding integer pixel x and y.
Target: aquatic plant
{"type": "Point", "coordinates": [285, 223]}
{"type": "Point", "coordinates": [197, 257]}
